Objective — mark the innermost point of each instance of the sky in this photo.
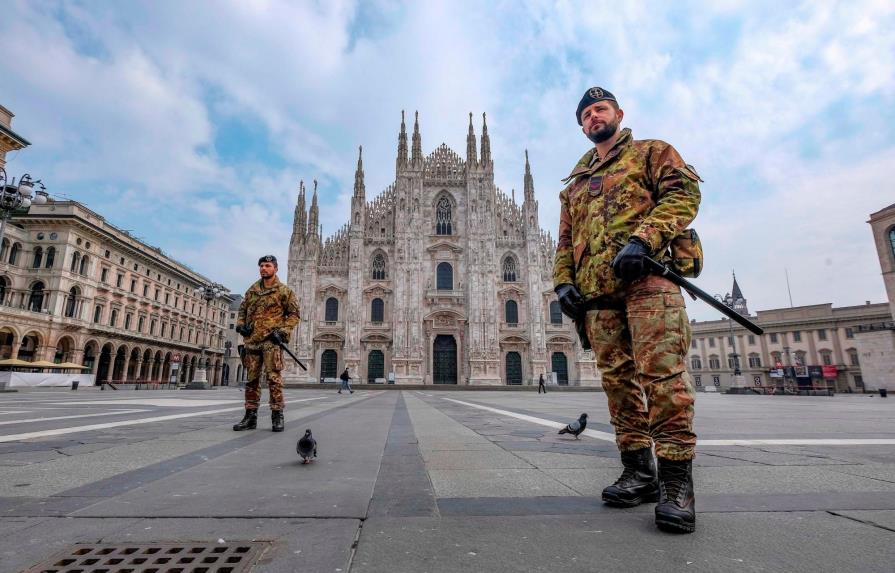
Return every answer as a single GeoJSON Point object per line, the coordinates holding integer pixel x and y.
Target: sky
{"type": "Point", "coordinates": [191, 123]}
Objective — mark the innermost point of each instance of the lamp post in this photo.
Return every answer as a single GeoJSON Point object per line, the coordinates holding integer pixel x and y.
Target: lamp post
{"type": "Point", "coordinates": [18, 197]}
{"type": "Point", "coordinates": [209, 293]}
{"type": "Point", "coordinates": [737, 373]}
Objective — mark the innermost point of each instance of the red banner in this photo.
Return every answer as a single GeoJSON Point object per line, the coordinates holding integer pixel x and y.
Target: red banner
{"type": "Point", "coordinates": [830, 371]}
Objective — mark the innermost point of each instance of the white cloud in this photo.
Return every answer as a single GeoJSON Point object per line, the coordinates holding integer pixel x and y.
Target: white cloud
{"type": "Point", "coordinates": [120, 102]}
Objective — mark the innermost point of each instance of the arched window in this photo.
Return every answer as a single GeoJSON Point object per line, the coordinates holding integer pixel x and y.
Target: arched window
{"type": "Point", "coordinates": [777, 358]}
{"type": "Point", "coordinates": [38, 257]}
{"type": "Point", "coordinates": [555, 312]}
{"type": "Point", "coordinates": [51, 257]}
{"type": "Point", "coordinates": [379, 273]}
{"type": "Point", "coordinates": [754, 360]}
{"type": "Point", "coordinates": [4, 248]}
{"type": "Point", "coordinates": [443, 217]}
{"type": "Point", "coordinates": [36, 299]}
{"type": "Point", "coordinates": [826, 357]}
{"type": "Point", "coordinates": [511, 312]}
{"type": "Point", "coordinates": [84, 264]}
{"type": "Point", "coordinates": [332, 309]}
{"type": "Point", "coordinates": [14, 253]}
{"type": "Point", "coordinates": [113, 318]}
{"type": "Point", "coordinates": [444, 277]}
{"type": "Point", "coordinates": [97, 313]}
{"type": "Point", "coordinates": [377, 310]}
{"type": "Point", "coordinates": [892, 240]}
{"type": "Point", "coordinates": [695, 363]}
{"type": "Point", "coordinates": [328, 363]}
{"type": "Point", "coordinates": [509, 270]}
{"type": "Point", "coordinates": [375, 366]}
{"type": "Point", "coordinates": [71, 302]}
{"type": "Point", "coordinates": [3, 286]}
{"type": "Point", "coordinates": [75, 260]}
{"type": "Point", "coordinates": [714, 362]}
{"type": "Point", "coordinates": [800, 358]}
{"type": "Point", "coordinates": [853, 357]}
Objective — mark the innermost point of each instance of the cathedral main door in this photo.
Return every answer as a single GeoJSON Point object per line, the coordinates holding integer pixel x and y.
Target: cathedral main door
{"type": "Point", "coordinates": [444, 360]}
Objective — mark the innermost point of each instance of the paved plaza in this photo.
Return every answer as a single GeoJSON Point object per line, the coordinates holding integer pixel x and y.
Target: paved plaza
{"type": "Point", "coordinates": [442, 482]}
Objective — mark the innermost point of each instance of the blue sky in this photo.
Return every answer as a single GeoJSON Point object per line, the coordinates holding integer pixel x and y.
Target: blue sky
{"type": "Point", "coordinates": [191, 123]}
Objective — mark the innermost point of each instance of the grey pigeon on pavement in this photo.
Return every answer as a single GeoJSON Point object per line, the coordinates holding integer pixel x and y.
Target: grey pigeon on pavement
{"type": "Point", "coordinates": [576, 427]}
{"type": "Point", "coordinates": [307, 448]}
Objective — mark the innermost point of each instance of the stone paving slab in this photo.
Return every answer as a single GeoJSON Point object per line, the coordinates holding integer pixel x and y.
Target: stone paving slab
{"type": "Point", "coordinates": [496, 483]}
{"type": "Point", "coordinates": [296, 544]}
{"type": "Point", "coordinates": [625, 542]}
{"type": "Point", "coordinates": [268, 479]}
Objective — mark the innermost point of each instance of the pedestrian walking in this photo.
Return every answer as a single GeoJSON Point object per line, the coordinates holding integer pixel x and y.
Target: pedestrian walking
{"type": "Point", "coordinates": [626, 199]}
{"type": "Point", "coordinates": [346, 385]}
{"type": "Point", "coordinates": [541, 385]}
{"type": "Point", "coordinates": [269, 309]}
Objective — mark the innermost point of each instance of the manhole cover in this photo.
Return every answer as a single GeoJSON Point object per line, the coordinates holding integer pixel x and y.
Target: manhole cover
{"type": "Point", "coordinates": [231, 557]}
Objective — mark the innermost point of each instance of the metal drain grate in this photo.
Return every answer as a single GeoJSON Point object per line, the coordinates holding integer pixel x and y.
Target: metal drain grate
{"type": "Point", "coordinates": [232, 557]}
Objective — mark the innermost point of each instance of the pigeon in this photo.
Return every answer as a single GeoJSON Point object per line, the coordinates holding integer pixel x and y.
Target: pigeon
{"type": "Point", "coordinates": [576, 427]}
{"type": "Point", "coordinates": [307, 447]}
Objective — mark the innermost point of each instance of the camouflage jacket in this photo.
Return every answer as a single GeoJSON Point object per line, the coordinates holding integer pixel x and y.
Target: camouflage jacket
{"type": "Point", "coordinates": [267, 309]}
{"type": "Point", "coordinates": [641, 188]}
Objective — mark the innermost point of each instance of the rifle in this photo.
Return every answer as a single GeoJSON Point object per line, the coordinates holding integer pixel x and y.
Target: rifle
{"type": "Point", "coordinates": [694, 291]}
{"type": "Point", "coordinates": [275, 338]}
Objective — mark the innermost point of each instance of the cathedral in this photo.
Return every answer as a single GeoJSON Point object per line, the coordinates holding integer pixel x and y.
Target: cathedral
{"type": "Point", "coordinates": [440, 279]}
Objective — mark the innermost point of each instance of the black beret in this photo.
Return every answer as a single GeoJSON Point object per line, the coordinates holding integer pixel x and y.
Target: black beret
{"type": "Point", "coordinates": [267, 259]}
{"type": "Point", "coordinates": [590, 97]}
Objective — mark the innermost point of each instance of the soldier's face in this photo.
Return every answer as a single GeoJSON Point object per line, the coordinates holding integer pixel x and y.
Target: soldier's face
{"type": "Point", "coordinates": [600, 121]}
{"type": "Point", "coordinates": [267, 270]}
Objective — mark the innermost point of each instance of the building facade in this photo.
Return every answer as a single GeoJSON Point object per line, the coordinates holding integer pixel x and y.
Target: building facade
{"type": "Point", "coordinates": [74, 288]}
{"type": "Point", "coordinates": [878, 337]}
{"type": "Point", "coordinates": [814, 345]}
{"type": "Point", "coordinates": [9, 140]}
{"type": "Point", "coordinates": [440, 279]}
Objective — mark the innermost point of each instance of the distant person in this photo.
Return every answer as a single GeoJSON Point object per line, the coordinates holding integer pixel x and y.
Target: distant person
{"type": "Point", "coordinates": [541, 385]}
{"type": "Point", "coordinates": [625, 200]}
{"type": "Point", "coordinates": [269, 307]}
{"type": "Point", "coordinates": [346, 385]}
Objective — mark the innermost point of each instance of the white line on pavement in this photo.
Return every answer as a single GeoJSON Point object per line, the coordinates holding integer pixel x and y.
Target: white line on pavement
{"type": "Point", "coordinates": [111, 413]}
{"type": "Point", "coordinates": [540, 421]}
{"type": "Point", "coordinates": [76, 429]}
{"type": "Point", "coordinates": [738, 442]}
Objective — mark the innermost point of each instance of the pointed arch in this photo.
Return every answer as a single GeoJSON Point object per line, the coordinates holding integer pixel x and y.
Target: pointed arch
{"type": "Point", "coordinates": [509, 266]}
{"type": "Point", "coordinates": [379, 266]}
{"type": "Point", "coordinates": [444, 214]}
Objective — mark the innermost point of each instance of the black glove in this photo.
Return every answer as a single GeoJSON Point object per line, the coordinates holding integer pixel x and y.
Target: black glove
{"type": "Point", "coordinates": [569, 299]}
{"type": "Point", "coordinates": [628, 264]}
{"type": "Point", "coordinates": [245, 330]}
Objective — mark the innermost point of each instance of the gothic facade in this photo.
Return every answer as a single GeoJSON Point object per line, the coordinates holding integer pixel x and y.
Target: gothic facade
{"type": "Point", "coordinates": [441, 279]}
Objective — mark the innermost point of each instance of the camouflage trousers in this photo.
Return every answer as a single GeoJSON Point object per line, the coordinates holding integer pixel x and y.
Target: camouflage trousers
{"type": "Point", "coordinates": [270, 358]}
{"type": "Point", "coordinates": [641, 353]}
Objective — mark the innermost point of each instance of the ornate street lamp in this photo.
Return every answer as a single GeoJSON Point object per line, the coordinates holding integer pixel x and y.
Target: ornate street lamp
{"type": "Point", "coordinates": [728, 301]}
{"type": "Point", "coordinates": [18, 198]}
{"type": "Point", "coordinates": [209, 292]}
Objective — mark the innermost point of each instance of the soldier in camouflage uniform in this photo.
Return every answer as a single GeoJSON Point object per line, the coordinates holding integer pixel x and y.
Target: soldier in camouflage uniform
{"type": "Point", "coordinates": [268, 309]}
{"type": "Point", "coordinates": [626, 199]}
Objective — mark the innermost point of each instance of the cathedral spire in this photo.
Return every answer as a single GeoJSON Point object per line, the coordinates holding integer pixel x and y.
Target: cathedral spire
{"type": "Point", "coordinates": [471, 153]}
{"type": "Point", "coordinates": [314, 212]}
{"type": "Point", "coordinates": [486, 143]}
{"type": "Point", "coordinates": [417, 152]}
{"type": "Point", "coordinates": [359, 188]}
{"type": "Point", "coordinates": [736, 299]}
{"type": "Point", "coordinates": [529, 181]}
{"type": "Point", "coordinates": [300, 219]}
{"type": "Point", "coordinates": [736, 292]}
{"type": "Point", "coordinates": [402, 144]}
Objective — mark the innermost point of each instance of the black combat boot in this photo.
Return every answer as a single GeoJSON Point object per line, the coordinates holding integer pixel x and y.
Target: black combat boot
{"type": "Point", "coordinates": [676, 510]}
{"type": "Point", "coordinates": [276, 421]}
{"type": "Point", "coordinates": [249, 421]}
{"type": "Point", "coordinates": [637, 484]}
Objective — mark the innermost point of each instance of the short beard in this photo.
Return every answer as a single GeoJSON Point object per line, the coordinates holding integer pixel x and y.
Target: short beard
{"type": "Point", "coordinates": [604, 133]}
